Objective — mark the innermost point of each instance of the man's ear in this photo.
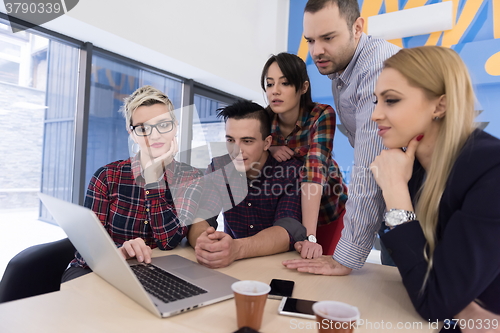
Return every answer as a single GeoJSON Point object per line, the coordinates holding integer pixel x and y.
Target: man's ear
{"type": "Point", "coordinates": [267, 142]}
{"type": "Point", "coordinates": [441, 107]}
{"type": "Point", "coordinates": [357, 27]}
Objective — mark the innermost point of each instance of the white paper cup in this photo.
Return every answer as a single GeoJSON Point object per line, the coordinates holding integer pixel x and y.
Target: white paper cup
{"type": "Point", "coordinates": [335, 316]}
{"type": "Point", "coordinates": [250, 298]}
{"type": "Point", "coordinates": [251, 288]}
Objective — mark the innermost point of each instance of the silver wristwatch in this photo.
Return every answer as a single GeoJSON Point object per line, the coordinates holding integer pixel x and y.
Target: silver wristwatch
{"type": "Point", "coordinates": [395, 217]}
{"type": "Point", "coordinates": [312, 239]}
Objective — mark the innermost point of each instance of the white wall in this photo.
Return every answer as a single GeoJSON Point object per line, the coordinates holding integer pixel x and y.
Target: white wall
{"type": "Point", "coordinates": [220, 43]}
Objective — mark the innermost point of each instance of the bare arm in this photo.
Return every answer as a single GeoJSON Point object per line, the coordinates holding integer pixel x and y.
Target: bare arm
{"type": "Point", "coordinates": [311, 200]}
{"type": "Point", "coordinates": [269, 241]}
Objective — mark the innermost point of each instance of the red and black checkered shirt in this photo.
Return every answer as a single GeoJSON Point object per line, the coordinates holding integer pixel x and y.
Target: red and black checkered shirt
{"type": "Point", "coordinates": [312, 142]}
{"type": "Point", "coordinates": [157, 212]}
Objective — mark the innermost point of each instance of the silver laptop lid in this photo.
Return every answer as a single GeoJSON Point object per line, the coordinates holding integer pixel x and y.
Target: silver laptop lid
{"type": "Point", "coordinates": [90, 238]}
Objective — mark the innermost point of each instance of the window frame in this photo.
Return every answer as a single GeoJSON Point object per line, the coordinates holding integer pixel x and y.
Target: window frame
{"type": "Point", "coordinates": [87, 50]}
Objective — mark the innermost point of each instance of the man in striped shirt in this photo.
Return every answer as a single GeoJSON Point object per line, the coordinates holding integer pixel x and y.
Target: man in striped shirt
{"type": "Point", "coordinates": [259, 196]}
{"type": "Point", "coordinates": [353, 61]}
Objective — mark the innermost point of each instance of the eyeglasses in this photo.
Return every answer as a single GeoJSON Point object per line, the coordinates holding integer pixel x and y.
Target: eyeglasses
{"type": "Point", "coordinates": [145, 130]}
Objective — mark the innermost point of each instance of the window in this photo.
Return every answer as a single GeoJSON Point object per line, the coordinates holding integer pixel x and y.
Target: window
{"type": "Point", "coordinates": [59, 102]}
{"type": "Point", "coordinates": [37, 112]}
{"type": "Point", "coordinates": [209, 135]}
{"type": "Point", "coordinates": [9, 71]}
{"type": "Point", "coordinates": [208, 132]}
{"type": "Point", "coordinates": [20, 57]}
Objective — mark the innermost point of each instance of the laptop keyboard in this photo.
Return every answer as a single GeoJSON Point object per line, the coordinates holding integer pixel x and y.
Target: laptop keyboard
{"type": "Point", "coordinates": [164, 285]}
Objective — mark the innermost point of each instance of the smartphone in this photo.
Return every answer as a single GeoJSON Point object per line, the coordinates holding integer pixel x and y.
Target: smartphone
{"type": "Point", "coordinates": [297, 307]}
{"type": "Point", "coordinates": [281, 288]}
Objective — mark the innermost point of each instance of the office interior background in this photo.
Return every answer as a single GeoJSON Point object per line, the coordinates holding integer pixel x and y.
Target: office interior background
{"type": "Point", "coordinates": [61, 84]}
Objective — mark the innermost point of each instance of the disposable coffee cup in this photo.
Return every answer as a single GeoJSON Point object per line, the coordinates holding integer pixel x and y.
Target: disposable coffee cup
{"type": "Point", "coordinates": [337, 317]}
{"type": "Point", "coordinates": [250, 298]}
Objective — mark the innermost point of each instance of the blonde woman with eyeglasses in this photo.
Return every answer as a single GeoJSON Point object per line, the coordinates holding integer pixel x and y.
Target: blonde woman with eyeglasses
{"type": "Point", "coordinates": [148, 200]}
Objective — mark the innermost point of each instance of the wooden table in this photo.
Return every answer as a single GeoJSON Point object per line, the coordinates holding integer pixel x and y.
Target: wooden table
{"type": "Point", "coordinates": [90, 304]}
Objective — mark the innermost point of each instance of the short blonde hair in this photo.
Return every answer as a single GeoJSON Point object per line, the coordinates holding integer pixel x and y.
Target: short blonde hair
{"type": "Point", "coordinates": [144, 96]}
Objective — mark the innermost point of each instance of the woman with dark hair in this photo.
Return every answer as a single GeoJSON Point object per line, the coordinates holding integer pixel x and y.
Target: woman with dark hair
{"type": "Point", "coordinates": [304, 130]}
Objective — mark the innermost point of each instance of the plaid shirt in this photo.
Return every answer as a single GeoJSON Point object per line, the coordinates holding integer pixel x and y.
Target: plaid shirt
{"type": "Point", "coordinates": [252, 205]}
{"type": "Point", "coordinates": [312, 142]}
{"type": "Point", "coordinates": [157, 212]}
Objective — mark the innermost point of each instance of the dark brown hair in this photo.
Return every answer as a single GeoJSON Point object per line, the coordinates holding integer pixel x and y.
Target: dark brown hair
{"type": "Point", "coordinates": [295, 71]}
{"type": "Point", "coordinates": [348, 9]}
{"type": "Point", "coordinates": [247, 110]}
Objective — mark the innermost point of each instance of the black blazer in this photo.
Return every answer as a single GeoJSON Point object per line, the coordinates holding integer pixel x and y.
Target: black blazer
{"type": "Point", "coordinates": [467, 255]}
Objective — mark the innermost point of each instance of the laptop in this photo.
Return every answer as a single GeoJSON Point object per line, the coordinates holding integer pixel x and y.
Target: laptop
{"type": "Point", "coordinates": [170, 284]}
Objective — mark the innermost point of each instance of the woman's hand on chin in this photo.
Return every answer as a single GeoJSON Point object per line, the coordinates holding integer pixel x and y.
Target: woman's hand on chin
{"type": "Point", "coordinates": [394, 167]}
{"type": "Point", "coordinates": [155, 167]}
{"type": "Point", "coordinates": [392, 170]}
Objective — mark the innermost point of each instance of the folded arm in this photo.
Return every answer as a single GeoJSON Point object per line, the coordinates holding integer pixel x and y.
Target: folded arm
{"type": "Point", "coordinates": [217, 249]}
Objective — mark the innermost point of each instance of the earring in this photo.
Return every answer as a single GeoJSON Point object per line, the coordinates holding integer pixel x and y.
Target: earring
{"type": "Point", "coordinates": [436, 118]}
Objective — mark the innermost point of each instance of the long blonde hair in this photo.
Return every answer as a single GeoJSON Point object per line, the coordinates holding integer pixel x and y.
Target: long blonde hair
{"type": "Point", "coordinates": [438, 71]}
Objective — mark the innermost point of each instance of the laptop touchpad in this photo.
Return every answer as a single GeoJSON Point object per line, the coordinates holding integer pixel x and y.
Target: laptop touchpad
{"type": "Point", "coordinates": [193, 272]}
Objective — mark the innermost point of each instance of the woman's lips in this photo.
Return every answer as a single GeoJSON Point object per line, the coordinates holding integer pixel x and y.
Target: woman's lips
{"type": "Point", "coordinates": [157, 145]}
{"type": "Point", "coordinates": [382, 130]}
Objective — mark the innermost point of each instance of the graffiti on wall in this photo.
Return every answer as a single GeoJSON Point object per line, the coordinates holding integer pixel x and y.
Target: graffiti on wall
{"type": "Point", "coordinates": [475, 36]}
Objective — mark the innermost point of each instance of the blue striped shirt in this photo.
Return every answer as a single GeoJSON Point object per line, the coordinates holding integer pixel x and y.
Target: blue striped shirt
{"type": "Point", "coordinates": [353, 94]}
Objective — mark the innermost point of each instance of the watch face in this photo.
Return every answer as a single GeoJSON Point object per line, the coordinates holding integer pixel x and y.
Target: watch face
{"type": "Point", "coordinates": [393, 218]}
{"type": "Point", "coordinates": [312, 239]}
{"type": "Point", "coordinates": [396, 217]}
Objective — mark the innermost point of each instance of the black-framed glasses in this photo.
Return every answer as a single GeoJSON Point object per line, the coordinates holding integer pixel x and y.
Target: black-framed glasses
{"type": "Point", "coordinates": [145, 130]}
